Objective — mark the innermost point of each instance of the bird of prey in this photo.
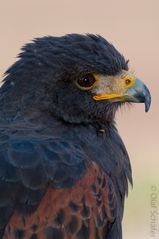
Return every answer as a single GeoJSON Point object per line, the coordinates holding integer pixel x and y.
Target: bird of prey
{"type": "Point", "coordinates": [64, 170]}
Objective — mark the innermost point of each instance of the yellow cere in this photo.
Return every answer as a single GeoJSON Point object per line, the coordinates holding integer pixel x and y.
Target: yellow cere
{"type": "Point", "coordinates": [113, 87]}
{"type": "Point", "coordinates": [108, 96]}
{"type": "Point", "coordinates": [128, 78]}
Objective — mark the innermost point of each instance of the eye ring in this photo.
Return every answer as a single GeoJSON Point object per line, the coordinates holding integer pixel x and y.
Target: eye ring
{"type": "Point", "coordinates": [86, 82]}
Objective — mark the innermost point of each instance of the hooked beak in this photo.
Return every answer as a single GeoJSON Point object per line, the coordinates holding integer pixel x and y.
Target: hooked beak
{"type": "Point", "coordinates": [123, 88]}
{"type": "Point", "coordinates": [138, 93]}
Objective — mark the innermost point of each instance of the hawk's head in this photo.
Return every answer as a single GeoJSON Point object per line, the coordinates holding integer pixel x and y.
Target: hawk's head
{"type": "Point", "coordinates": [77, 78]}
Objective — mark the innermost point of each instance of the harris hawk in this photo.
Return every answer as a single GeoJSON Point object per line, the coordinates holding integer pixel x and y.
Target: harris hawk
{"type": "Point", "coordinates": [64, 170]}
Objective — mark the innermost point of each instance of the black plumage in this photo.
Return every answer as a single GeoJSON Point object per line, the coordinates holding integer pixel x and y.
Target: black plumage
{"type": "Point", "coordinates": [53, 134]}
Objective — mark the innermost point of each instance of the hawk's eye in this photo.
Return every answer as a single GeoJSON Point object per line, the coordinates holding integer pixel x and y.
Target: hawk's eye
{"type": "Point", "coordinates": [86, 82]}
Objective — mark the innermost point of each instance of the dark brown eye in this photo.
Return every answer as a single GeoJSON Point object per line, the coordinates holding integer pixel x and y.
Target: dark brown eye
{"type": "Point", "coordinates": [87, 81]}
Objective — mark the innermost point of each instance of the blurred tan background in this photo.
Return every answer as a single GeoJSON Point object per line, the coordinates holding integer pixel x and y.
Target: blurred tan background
{"type": "Point", "coordinates": [133, 27]}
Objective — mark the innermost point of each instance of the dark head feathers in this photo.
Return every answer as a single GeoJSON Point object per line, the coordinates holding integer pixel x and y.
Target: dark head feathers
{"type": "Point", "coordinates": [42, 76]}
{"type": "Point", "coordinates": [74, 51]}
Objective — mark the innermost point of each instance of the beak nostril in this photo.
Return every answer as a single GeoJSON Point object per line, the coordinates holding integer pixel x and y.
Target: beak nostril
{"type": "Point", "coordinates": [127, 81]}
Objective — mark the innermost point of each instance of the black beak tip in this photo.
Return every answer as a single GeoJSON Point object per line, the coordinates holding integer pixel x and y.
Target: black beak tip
{"type": "Point", "coordinates": [147, 99]}
{"type": "Point", "coordinates": [147, 104]}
